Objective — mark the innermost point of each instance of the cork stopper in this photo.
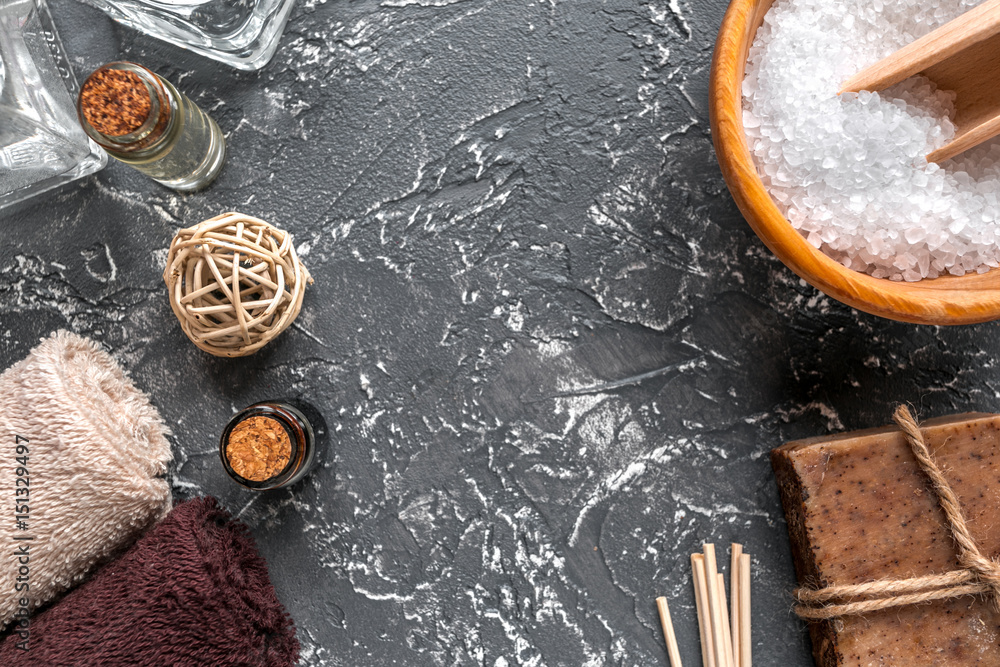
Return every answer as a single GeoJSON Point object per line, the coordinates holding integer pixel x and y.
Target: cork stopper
{"type": "Point", "coordinates": [115, 102]}
{"type": "Point", "coordinates": [259, 448]}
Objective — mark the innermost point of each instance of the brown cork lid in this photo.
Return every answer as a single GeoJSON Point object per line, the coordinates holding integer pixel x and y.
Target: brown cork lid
{"type": "Point", "coordinates": [258, 448]}
{"type": "Point", "coordinates": [115, 102]}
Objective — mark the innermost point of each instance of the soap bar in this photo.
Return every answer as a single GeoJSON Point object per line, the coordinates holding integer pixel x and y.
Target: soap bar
{"type": "Point", "coordinates": [859, 509]}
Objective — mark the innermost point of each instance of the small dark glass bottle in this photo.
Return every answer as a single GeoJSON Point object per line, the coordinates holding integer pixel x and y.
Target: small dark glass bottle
{"type": "Point", "coordinates": [292, 435]}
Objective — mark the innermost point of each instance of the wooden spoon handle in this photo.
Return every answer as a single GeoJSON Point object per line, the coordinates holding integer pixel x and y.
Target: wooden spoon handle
{"type": "Point", "coordinates": [975, 25]}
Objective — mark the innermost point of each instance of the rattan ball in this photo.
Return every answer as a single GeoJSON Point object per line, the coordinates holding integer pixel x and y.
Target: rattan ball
{"type": "Point", "coordinates": [235, 283]}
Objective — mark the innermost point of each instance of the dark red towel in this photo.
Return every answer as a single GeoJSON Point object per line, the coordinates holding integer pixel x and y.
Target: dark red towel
{"type": "Point", "coordinates": [192, 591]}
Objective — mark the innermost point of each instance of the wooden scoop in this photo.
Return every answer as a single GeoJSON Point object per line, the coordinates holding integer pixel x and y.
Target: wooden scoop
{"type": "Point", "coordinates": [963, 56]}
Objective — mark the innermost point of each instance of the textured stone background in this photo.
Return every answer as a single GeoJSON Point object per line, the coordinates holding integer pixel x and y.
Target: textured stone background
{"type": "Point", "coordinates": [553, 354]}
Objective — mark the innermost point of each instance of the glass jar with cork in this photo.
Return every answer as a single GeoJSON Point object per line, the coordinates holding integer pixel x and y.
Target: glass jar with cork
{"type": "Point", "coordinates": [272, 444]}
{"type": "Point", "coordinates": [142, 120]}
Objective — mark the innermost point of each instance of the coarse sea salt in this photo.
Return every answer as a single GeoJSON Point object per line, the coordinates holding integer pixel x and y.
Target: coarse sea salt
{"type": "Point", "coordinates": [849, 172]}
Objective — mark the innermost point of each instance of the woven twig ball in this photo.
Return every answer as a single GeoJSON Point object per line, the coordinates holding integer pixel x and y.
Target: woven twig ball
{"type": "Point", "coordinates": [235, 283]}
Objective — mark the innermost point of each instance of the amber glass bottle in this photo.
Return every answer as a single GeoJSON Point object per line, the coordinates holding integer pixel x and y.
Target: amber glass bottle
{"type": "Point", "coordinates": [272, 444]}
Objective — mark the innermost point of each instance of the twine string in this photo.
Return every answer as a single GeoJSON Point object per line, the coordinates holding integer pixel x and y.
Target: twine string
{"type": "Point", "coordinates": [979, 575]}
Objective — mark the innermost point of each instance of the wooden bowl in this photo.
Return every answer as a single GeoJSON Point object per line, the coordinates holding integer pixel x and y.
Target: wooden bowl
{"type": "Point", "coordinates": [945, 300]}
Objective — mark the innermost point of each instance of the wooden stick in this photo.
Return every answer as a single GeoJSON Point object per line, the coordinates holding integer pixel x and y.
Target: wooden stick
{"type": "Point", "coordinates": [727, 640]}
{"type": "Point", "coordinates": [974, 26]}
{"type": "Point", "coordinates": [701, 602]}
{"type": "Point", "coordinates": [745, 637]}
{"type": "Point", "coordinates": [668, 632]}
{"type": "Point", "coordinates": [714, 605]}
{"type": "Point", "coordinates": [734, 601]}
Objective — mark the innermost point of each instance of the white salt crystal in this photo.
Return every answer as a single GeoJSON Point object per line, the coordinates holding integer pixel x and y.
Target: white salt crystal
{"type": "Point", "coordinates": [850, 173]}
{"type": "Point", "coordinates": [914, 235]}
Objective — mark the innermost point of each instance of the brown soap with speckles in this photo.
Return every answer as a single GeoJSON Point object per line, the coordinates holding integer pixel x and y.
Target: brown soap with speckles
{"type": "Point", "coordinates": [860, 509]}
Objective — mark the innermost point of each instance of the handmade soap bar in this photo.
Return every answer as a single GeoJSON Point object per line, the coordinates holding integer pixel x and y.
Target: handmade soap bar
{"type": "Point", "coordinates": [859, 509]}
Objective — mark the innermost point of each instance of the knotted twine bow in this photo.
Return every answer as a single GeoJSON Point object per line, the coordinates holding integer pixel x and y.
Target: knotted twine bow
{"type": "Point", "coordinates": [979, 575]}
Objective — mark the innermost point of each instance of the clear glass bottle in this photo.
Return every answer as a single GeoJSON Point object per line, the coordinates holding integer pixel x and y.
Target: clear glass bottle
{"type": "Point", "coordinates": [177, 144]}
{"type": "Point", "coordinates": [241, 33]}
{"type": "Point", "coordinates": [306, 431]}
{"type": "Point", "coordinates": [41, 144]}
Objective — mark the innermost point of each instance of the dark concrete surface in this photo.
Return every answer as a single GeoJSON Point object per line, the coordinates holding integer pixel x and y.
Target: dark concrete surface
{"type": "Point", "coordinates": [553, 355]}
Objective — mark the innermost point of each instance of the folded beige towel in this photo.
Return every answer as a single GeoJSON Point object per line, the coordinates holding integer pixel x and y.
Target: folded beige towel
{"type": "Point", "coordinates": [92, 480]}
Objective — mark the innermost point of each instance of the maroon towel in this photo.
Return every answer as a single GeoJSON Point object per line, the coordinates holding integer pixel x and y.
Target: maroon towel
{"type": "Point", "coordinates": [192, 591]}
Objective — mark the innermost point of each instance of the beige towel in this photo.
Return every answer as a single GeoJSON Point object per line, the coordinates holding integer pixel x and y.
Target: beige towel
{"type": "Point", "coordinates": [96, 452]}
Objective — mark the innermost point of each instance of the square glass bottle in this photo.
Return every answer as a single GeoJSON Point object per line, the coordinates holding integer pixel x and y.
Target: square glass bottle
{"type": "Point", "coordinates": [42, 146]}
{"type": "Point", "coordinates": [241, 33]}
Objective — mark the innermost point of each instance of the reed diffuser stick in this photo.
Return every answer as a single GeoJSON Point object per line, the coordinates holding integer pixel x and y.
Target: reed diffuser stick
{"type": "Point", "coordinates": [723, 628]}
{"type": "Point", "coordinates": [701, 602]}
{"type": "Point", "coordinates": [734, 600]}
{"type": "Point", "coordinates": [668, 632]}
{"type": "Point", "coordinates": [714, 604]}
{"type": "Point", "coordinates": [724, 631]}
{"type": "Point", "coordinates": [744, 604]}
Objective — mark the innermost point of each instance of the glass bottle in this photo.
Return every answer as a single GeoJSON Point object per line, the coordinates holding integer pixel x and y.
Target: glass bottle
{"type": "Point", "coordinates": [176, 143]}
{"type": "Point", "coordinates": [41, 144]}
{"type": "Point", "coordinates": [306, 434]}
{"type": "Point", "coordinates": [241, 33]}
